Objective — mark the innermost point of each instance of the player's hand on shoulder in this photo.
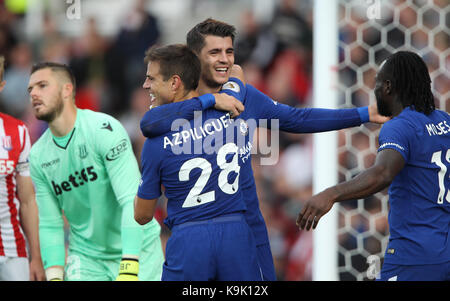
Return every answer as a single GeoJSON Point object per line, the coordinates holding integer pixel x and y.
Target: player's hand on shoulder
{"type": "Point", "coordinates": [236, 71]}
{"type": "Point", "coordinates": [228, 103]}
{"type": "Point", "coordinates": [374, 115]}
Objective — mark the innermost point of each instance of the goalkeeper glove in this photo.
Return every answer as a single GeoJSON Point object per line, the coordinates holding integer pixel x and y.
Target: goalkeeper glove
{"type": "Point", "coordinates": [128, 269]}
{"type": "Point", "coordinates": [54, 273]}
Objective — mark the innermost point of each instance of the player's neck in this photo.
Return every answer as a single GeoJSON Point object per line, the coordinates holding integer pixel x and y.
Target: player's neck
{"type": "Point", "coordinates": [64, 123]}
{"type": "Point", "coordinates": [397, 108]}
{"type": "Point", "coordinates": [204, 88]}
{"type": "Point", "coordinates": [188, 95]}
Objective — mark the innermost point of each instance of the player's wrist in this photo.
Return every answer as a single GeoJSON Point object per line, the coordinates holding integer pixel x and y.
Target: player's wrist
{"type": "Point", "coordinates": [128, 268]}
{"type": "Point", "coordinates": [54, 273]}
{"type": "Point", "coordinates": [208, 100]}
{"type": "Point", "coordinates": [364, 114]}
{"type": "Point", "coordinates": [334, 193]}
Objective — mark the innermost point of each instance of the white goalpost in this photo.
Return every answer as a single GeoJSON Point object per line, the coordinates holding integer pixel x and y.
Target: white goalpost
{"type": "Point", "coordinates": [325, 60]}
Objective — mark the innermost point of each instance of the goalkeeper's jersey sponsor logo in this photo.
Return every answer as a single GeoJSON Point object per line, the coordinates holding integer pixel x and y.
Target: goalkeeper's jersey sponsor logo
{"type": "Point", "coordinates": [117, 150]}
{"type": "Point", "coordinates": [75, 180]}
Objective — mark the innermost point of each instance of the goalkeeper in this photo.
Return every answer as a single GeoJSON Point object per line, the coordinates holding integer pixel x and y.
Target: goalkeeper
{"type": "Point", "coordinates": [83, 167]}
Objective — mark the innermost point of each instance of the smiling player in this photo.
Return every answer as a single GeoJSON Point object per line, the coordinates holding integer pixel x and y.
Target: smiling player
{"type": "Point", "coordinates": [212, 41]}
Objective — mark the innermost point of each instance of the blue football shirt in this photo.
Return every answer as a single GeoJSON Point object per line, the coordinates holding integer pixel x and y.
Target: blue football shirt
{"type": "Point", "coordinates": [198, 163]}
{"type": "Point", "coordinates": [260, 110]}
{"type": "Point", "coordinates": [419, 196]}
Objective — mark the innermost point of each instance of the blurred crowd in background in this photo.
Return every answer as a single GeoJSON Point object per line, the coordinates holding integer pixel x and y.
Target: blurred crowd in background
{"type": "Point", "coordinates": [277, 59]}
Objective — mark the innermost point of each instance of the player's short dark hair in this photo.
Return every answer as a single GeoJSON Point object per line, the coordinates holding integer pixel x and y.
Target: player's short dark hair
{"type": "Point", "coordinates": [176, 59]}
{"type": "Point", "coordinates": [195, 38]}
{"type": "Point", "coordinates": [56, 67]}
{"type": "Point", "coordinates": [410, 80]}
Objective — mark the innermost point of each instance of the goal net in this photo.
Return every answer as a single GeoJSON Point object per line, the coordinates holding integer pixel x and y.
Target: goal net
{"type": "Point", "coordinates": [369, 31]}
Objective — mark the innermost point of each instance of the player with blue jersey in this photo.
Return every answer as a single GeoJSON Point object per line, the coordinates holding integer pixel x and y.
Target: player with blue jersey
{"type": "Point", "coordinates": [212, 41]}
{"type": "Point", "coordinates": [414, 158]}
{"type": "Point", "coordinates": [199, 166]}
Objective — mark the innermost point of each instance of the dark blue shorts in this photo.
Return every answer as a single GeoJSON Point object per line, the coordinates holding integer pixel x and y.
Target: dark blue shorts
{"type": "Point", "coordinates": [425, 272]}
{"type": "Point", "coordinates": [265, 261]}
{"type": "Point", "coordinates": [221, 249]}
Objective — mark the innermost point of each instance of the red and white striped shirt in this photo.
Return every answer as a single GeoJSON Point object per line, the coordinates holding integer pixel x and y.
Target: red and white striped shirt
{"type": "Point", "coordinates": [15, 146]}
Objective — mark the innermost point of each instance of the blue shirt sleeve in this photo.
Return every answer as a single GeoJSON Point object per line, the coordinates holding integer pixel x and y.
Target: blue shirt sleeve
{"type": "Point", "coordinates": [235, 87]}
{"type": "Point", "coordinates": [266, 111]}
{"type": "Point", "coordinates": [394, 135]}
{"type": "Point", "coordinates": [150, 185]}
{"type": "Point", "coordinates": [270, 113]}
{"type": "Point", "coordinates": [159, 120]}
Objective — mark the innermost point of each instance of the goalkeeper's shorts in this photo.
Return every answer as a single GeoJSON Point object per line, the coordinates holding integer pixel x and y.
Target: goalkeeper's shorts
{"type": "Point", "coordinates": [86, 268]}
{"type": "Point", "coordinates": [221, 249]}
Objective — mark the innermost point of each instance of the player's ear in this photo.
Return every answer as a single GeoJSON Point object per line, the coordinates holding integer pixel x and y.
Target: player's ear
{"type": "Point", "coordinates": [176, 82]}
{"type": "Point", "coordinates": [2, 85]}
{"type": "Point", "coordinates": [67, 90]}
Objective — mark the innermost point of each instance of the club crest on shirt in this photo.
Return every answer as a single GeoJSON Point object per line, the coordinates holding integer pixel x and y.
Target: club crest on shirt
{"type": "Point", "coordinates": [82, 151]}
{"type": "Point", "coordinates": [243, 128]}
{"type": "Point", "coordinates": [7, 143]}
